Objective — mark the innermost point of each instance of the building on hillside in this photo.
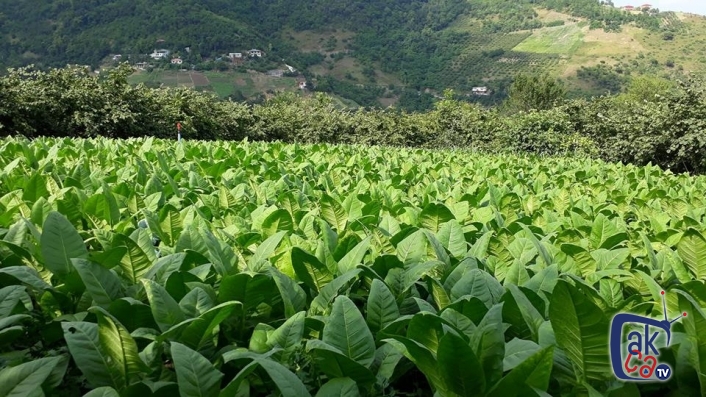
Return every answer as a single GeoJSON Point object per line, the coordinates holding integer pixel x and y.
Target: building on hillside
{"type": "Point", "coordinates": [141, 65]}
{"type": "Point", "coordinates": [483, 91]}
{"type": "Point", "coordinates": [255, 53]}
{"type": "Point", "coordinates": [290, 68]}
{"type": "Point", "coordinates": [628, 8]}
{"type": "Point", "coordinates": [117, 57]}
{"type": "Point", "coordinates": [177, 61]}
{"type": "Point", "coordinates": [302, 84]}
{"type": "Point", "coordinates": [159, 54]}
{"type": "Point", "coordinates": [646, 7]}
{"type": "Point", "coordinates": [235, 55]}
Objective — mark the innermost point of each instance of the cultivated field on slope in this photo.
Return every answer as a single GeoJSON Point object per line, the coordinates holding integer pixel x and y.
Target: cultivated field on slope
{"type": "Point", "coordinates": [146, 267]}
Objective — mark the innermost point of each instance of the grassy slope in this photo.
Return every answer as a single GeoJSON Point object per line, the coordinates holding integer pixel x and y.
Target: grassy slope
{"type": "Point", "coordinates": [560, 50]}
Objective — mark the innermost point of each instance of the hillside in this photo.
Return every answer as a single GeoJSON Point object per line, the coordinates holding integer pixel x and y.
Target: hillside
{"type": "Point", "coordinates": [375, 53]}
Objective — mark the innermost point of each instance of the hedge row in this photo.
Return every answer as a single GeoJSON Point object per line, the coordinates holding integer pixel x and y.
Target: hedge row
{"type": "Point", "coordinates": [667, 130]}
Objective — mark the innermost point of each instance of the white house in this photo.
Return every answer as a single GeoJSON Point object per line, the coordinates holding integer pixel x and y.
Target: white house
{"type": "Point", "coordinates": [177, 61]}
{"type": "Point", "coordinates": [255, 53]}
{"type": "Point", "coordinates": [235, 55]}
{"type": "Point", "coordinates": [480, 91]}
{"type": "Point", "coordinates": [159, 54]}
{"type": "Point", "coordinates": [117, 57]}
{"type": "Point", "coordinates": [302, 85]}
{"type": "Point", "coordinates": [141, 65]}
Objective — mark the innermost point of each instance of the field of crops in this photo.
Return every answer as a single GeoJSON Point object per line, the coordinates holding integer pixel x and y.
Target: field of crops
{"type": "Point", "coordinates": [149, 268]}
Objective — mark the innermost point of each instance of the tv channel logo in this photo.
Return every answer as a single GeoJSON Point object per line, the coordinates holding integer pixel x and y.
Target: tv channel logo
{"type": "Point", "coordinates": [635, 358]}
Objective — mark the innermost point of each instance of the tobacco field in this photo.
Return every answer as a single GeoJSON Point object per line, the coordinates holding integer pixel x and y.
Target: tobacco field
{"type": "Point", "coordinates": [144, 267]}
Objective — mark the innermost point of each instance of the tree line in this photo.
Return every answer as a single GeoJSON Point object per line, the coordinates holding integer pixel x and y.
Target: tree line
{"type": "Point", "coordinates": [655, 121]}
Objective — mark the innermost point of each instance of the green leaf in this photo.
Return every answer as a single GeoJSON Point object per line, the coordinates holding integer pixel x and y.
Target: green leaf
{"type": "Point", "coordinates": [60, 242]}
{"type": "Point", "coordinates": [136, 262]}
{"type": "Point", "coordinates": [451, 236]}
{"type": "Point", "coordinates": [521, 314]}
{"type": "Point", "coordinates": [531, 374]}
{"type": "Point", "coordinates": [310, 270]}
{"type": "Point", "coordinates": [382, 308]}
{"type": "Point", "coordinates": [347, 331]}
{"type": "Point", "coordinates": [119, 346]}
{"type": "Point", "coordinates": [517, 351]}
{"type": "Point", "coordinates": [422, 358]}
{"type": "Point", "coordinates": [102, 284]}
{"type": "Point", "coordinates": [479, 284]}
{"type": "Point", "coordinates": [102, 392]}
{"type": "Point", "coordinates": [580, 328]}
{"type": "Point", "coordinates": [165, 309]}
{"type": "Point", "coordinates": [289, 334]}
{"type": "Point", "coordinates": [89, 356]}
{"type": "Point", "coordinates": [266, 249]}
{"type": "Point", "coordinates": [694, 324]}
{"type": "Point", "coordinates": [605, 234]}
{"type": "Point", "coordinates": [288, 384]}
{"type": "Point", "coordinates": [196, 375]}
{"type": "Point", "coordinates": [279, 220]}
{"type": "Point", "coordinates": [27, 379]}
{"type": "Point", "coordinates": [460, 366]}
{"type": "Point", "coordinates": [333, 212]}
{"type": "Point", "coordinates": [197, 334]}
{"type": "Point", "coordinates": [293, 296]}
{"type": "Point", "coordinates": [354, 257]}
{"type": "Point", "coordinates": [692, 250]}
{"type": "Point", "coordinates": [339, 387]}
{"type": "Point", "coordinates": [434, 215]}
{"type": "Point", "coordinates": [335, 364]}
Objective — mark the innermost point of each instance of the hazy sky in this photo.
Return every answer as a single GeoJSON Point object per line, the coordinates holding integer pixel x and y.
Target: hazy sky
{"type": "Point", "coordinates": [695, 6]}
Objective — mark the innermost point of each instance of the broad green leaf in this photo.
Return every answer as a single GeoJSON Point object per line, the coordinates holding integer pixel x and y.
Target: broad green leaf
{"type": "Point", "coordinates": [60, 243]}
{"type": "Point", "coordinates": [196, 375]}
{"type": "Point", "coordinates": [197, 334]}
{"type": "Point", "coordinates": [382, 308]}
{"type": "Point", "coordinates": [339, 387]}
{"type": "Point", "coordinates": [289, 334]}
{"type": "Point", "coordinates": [103, 285]}
{"type": "Point", "coordinates": [694, 323]}
{"type": "Point", "coordinates": [27, 379]}
{"type": "Point", "coordinates": [89, 356]}
{"type": "Point", "coordinates": [451, 236]}
{"type": "Point", "coordinates": [332, 362]}
{"type": "Point", "coordinates": [165, 309]}
{"type": "Point", "coordinates": [692, 250]}
{"type": "Point", "coordinates": [460, 366]}
{"type": "Point", "coordinates": [310, 270]}
{"type": "Point", "coordinates": [102, 392]}
{"type": "Point", "coordinates": [434, 215]}
{"type": "Point", "coordinates": [267, 248]}
{"type": "Point", "coordinates": [347, 331]}
{"type": "Point", "coordinates": [120, 348]}
{"type": "Point", "coordinates": [531, 374]}
{"type": "Point", "coordinates": [354, 257]}
{"type": "Point", "coordinates": [580, 330]}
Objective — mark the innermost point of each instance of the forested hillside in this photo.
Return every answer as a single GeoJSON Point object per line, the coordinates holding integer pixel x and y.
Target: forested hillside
{"type": "Point", "coordinates": [415, 45]}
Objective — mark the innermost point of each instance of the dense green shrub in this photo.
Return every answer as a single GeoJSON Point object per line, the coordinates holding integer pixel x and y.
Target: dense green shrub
{"type": "Point", "coordinates": [639, 127]}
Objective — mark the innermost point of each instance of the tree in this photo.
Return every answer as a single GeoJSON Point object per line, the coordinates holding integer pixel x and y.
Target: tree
{"type": "Point", "coordinates": [647, 89]}
{"type": "Point", "coordinates": [534, 92]}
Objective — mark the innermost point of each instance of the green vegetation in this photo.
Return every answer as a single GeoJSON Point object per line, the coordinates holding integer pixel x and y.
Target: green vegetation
{"type": "Point", "coordinates": [146, 267]}
{"type": "Point", "coordinates": [415, 45]}
{"type": "Point", "coordinates": [553, 40]}
{"type": "Point", "coordinates": [667, 131]}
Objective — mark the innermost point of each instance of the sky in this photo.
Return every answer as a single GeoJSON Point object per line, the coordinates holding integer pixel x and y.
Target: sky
{"type": "Point", "coordinates": [695, 6]}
